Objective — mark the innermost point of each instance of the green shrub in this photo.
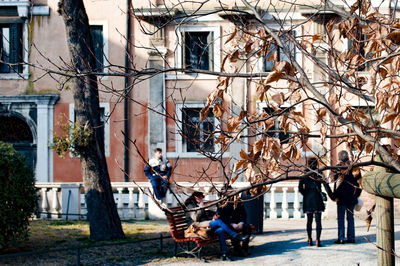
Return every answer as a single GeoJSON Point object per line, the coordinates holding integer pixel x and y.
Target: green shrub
{"type": "Point", "coordinates": [18, 198]}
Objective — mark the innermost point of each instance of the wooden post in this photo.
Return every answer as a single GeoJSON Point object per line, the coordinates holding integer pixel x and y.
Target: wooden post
{"type": "Point", "coordinates": [385, 230]}
{"type": "Point", "coordinates": [385, 186]}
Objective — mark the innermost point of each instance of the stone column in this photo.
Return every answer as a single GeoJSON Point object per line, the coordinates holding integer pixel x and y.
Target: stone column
{"type": "Point", "coordinates": [157, 126]}
{"type": "Point", "coordinates": [239, 93]}
{"type": "Point", "coordinates": [42, 163]}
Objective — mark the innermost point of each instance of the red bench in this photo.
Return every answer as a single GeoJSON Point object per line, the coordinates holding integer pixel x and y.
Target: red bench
{"type": "Point", "coordinates": [178, 224]}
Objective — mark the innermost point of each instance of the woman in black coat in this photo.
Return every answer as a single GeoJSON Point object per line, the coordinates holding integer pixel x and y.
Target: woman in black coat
{"type": "Point", "coordinates": [313, 203]}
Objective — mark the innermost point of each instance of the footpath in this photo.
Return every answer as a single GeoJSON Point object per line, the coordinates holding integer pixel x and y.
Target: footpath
{"type": "Point", "coordinates": [285, 243]}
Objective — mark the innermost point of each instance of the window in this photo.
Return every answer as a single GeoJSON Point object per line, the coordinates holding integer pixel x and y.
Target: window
{"type": "Point", "coordinates": [198, 50]}
{"type": "Point", "coordinates": [198, 47]}
{"type": "Point", "coordinates": [98, 44]}
{"type": "Point", "coordinates": [193, 136]}
{"type": "Point", "coordinates": [104, 121]}
{"type": "Point", "coordinates": [358, 48]}
{"type": "Point", "coordinates": [271, 132]}
{"type": "Point", "coordinates": [11, 48]}
{"type": "Point", "coordinates": [197, 135]}
{"type": "Point", "coordinates": [269, 61]}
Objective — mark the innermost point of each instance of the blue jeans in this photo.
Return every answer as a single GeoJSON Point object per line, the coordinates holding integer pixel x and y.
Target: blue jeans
{"type": "Point", "coordinates": [160, 186]}
{"type": "Point", "coordinates": [219, 228]}
{"type": "Point", "coordinates": [349, 210]}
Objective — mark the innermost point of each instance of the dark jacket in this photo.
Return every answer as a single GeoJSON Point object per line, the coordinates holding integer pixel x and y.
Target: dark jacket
{"type": "Point", "coordinates": [348, 191]}
{"type": "Point", "coordinates": [311, 191]}
{"type": "Point", "coordinates": [157, 168]}
{"type": "Point", "coordinates": [229, 214]}
{"type": "Point", "coordinates": [199, 215]}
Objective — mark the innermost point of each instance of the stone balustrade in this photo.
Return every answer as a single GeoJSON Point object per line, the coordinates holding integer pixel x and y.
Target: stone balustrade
{"type": "Point", "coordinates": [67, 201]}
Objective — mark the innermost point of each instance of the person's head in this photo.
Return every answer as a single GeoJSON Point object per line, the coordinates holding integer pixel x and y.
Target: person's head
{"type": "Point", "coordinates": [343, 156]}
{"type": "Point", "coordinates": [158, 153]}
{"type": "Point", "coordinates": [312, 163]}
{"type": "Point", "coordinates": [198, 196]}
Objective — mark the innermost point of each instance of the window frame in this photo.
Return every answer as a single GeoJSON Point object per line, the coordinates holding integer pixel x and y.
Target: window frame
{"type": "Point", "coordinates": [216, 53]}
{"type": "Point", "coordinates": [106, 63]}
{"type": "Point", "coordinates": [297, 108]}
{"type": "Point", "coordinates": [297, 52]}
{"type": "Point", "coordinates": [106, 107]}
{"type": "Point", "coordinates": [179, 127]}
{"type": "Point", "coordinates": [24, 74]}
{"type": "Point", "coordinates": [366, 66]}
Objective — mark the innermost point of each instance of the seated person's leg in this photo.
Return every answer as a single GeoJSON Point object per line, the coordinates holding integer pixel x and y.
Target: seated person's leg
{"type": "Point", "coordinates": [246, 231]}
{"type": "Point", "coordinates": [219, 223]}
{"type": "Point", "coordinates": [221, 237]}
{"type": "Point", "coordinates": [163, 187]}
{"type": "Point", "coordinates": [155, 183]}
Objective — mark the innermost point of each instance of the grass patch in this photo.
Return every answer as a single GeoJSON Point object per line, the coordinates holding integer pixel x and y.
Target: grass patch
{"type": "Point", "coordinates": [115, 259]}
{"type": "Point", "coordinates": [157, 253]}
{"type": "Point", "coordinates": [50, 234]}
{"type": "Point", "coordinates": [61, 223]}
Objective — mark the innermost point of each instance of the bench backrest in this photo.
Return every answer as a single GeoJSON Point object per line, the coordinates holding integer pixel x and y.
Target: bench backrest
{"type": "Point", "coordinates": [177, 222]}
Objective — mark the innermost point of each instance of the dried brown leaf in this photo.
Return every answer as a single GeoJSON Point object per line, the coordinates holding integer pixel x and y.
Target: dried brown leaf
{"type": "Point", "coordinates": [204, 112]}
{"type": "Point", "coordinates": [218, 111]}
{"type": "Point", "coordinates": [248, 46]}
{"type": "Point", "coordinates": [242, 114]}
{"type": "Point", "coordinates": [383, 72]}
{"type": "Point", "coordinates": [234, 56]}
{"type": "Point", "coordinates": [244, 155]}
{"type": "Point", "coordinates": [278, 98]}
{"type": "Point", "coordinates": [368, 222]}
{"type": "Point", "coordinates": [389, 117]}
{"type": "Point", "coordinates": [274, 76]}
{"type": "Point", "coordinates": [395, 36]}
{"type": "Point", "coordinates": [223, 63]}
{"type": "Point", "coordinates": [239, 164]}
{"type": "Point", "coordinates": [234, 179]}
{"type": "Point", "coordinates": [321, 114]}
{"type": "Point", "coordinates": [233, 124]}
{"type": "Point", "coordinates": [231, 36]}
{"type": "Point", "coordinates": [258, 145]}
{"type": "Point", "coordinates": [323, 131]}
{"type": "Point", "coordinates": [316, 37]}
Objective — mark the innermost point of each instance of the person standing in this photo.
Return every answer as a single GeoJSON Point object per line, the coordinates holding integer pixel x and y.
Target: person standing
{"type": "Point", "coordinates": [158, 171]}
{"type": "Point", "coordinates": [346, 192]}
{"type": "Point", "coordinates": [313, 204]}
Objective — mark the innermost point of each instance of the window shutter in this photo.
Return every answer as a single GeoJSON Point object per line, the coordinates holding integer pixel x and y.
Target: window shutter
{"type": "Point", "coordinates": [4, 68]}
{"type": "Point", "coordinates": [98, 43]}
{"type": "Point", "coordinates": [210, 42]}
{"type": "Point", "coordinates": [183, 49]}
{"type": "Point", "coordinates": [16, 46]}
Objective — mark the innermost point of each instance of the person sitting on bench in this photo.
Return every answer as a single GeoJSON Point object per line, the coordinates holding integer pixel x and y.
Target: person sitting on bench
{"type": "Point", "coordinates": [218, 227]}
{"type": "Point", "coordinates": [236, 218]}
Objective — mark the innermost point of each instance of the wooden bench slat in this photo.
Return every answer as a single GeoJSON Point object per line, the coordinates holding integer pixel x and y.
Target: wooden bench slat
{"type": "Point", "coordinates": [178, 225]}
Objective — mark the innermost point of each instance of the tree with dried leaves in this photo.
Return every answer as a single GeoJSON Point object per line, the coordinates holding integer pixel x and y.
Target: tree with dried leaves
{"type": "Point", "coordinates": [295, 80]}
{"type": "Point", "coordinates": [102, 212]}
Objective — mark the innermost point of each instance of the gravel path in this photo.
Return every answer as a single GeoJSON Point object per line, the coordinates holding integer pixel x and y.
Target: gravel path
{"type": "Point", "coordinates": [284, 243]}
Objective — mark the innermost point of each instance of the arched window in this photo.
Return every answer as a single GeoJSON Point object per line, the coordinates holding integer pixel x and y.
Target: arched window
{"type": "Point", "coordinates": [14, 129]}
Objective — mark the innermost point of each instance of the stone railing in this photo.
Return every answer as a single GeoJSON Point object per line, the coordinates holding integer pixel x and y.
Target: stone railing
{"type": "Point", "coordinates": [67, 201]}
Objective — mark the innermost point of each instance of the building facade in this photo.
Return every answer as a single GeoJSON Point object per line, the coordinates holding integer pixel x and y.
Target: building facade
{"type": "Point", "coordinates": [144, 35]}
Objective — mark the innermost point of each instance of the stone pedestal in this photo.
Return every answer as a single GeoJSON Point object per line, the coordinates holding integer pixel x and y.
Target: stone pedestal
{"type": "Point", "coordinates": [71, 201]}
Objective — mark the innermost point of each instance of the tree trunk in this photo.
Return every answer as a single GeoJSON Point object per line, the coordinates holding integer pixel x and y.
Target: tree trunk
{"type": "Point", "coordinates": [102, 212]}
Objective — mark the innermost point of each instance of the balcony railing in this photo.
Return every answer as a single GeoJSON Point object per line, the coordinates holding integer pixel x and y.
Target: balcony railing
{"type": "Point", "coordinates": [67, 201]}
